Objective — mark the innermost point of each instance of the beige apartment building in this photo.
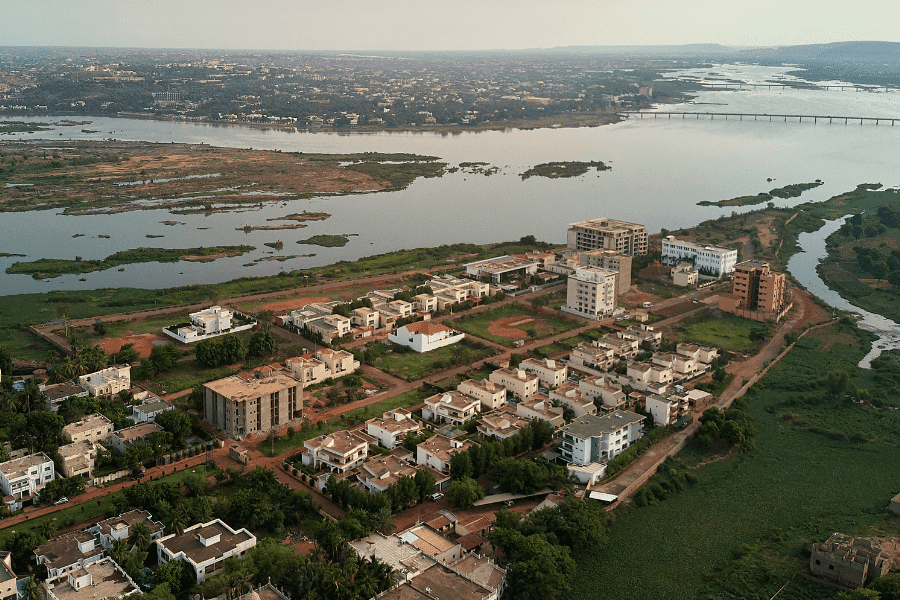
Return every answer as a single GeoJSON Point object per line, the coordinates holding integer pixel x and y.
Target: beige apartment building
{"type": "Point", "coordinates": [756, 292]}
{"type": "Point", "coordinates": [92, 428]}
{"type": "Point", "coordinates": [254, 402]}
{"type": "Point", "coordinates": [492, 395]}
{"type": "Point", "coordinates": [611, 260]}
{"type": "Point", "coordinates": [519, 382]}
{"type": "Point", "coordinates": [591, 292]}
{"type": "Point", "coordinates": [630, 239]}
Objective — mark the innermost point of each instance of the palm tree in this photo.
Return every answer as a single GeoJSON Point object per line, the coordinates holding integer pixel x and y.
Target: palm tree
{"type": "Point", "coordinates": [179, 521]}
{"type": "Point", "coordinates": [118, 550]}
{"type": "Point", "coordinates": [33, 589]}
{"type": "Point", "coordinates": [46, 529]}
{"type": "Point", "coordinates": [139, 536]}
{"type": "Point", "coordinates": [67, 369]}
{"type": "Point", "coordinates": [9, 403]}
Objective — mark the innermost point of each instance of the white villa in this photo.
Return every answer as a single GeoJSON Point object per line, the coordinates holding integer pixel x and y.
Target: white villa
{"type": "Point", "coordinates": [423, 336]}
{"type": "Point", "coordinates": [212, 322]}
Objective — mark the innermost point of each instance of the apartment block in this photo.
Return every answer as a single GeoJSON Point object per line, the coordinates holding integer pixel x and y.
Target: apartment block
{"type": "Point", "coordinates": [492, 395]}
{"type": "Point", "coordinates": [712, 261]}
{"type": "Point", "coordinates": [756, 292]}
{"type": "Point", "coordinates": [254, 402]}
{"type": "Point", "coordinates": [591, 439]}
{"type": "Point", "coordinates": [591, 292]}
{"type": "Point", "coordinates": [519, 382]}
{"type": "Point", "coordinates": [630, 239]}
{"type": "Point", "coordinates": [392, 427]}
{"type": "Point", "coordinates": [550, 372]}
{"type": "Point", "coordinates": [611, 260]}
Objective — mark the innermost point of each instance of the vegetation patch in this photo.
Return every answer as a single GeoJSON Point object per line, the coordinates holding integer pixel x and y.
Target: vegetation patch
{"type": "Point", "coordinates": [8, 127]}
{"type": "Point", "coordinates": [788, 191]}
{"type": "Point", "coordinates": [407, 364]}
{"type": "Point", "coordinates": [327, 241]}
{"type": "Point", "coordinates": [51, 267]}
{"type": "Point", "coordinates": [728, 332]}
{"type": "Point", "coordinates": [5, 254]}
{"type": "Point", "coordinates": [557, 170]}
{"type": "Point", "coordinates": [532, 324]}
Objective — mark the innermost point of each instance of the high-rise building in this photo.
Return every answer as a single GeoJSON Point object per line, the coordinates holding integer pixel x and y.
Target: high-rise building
{"type": "Point", "coordinates": [608, 234]}
{"type": "Point", "coordinates": [756, 292]}
{"type": "Point", "coordinates": [592, 292]}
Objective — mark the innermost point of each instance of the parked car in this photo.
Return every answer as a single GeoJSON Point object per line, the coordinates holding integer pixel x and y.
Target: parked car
{"type": "Point", "coordinates": [436, 496]}
{"type": "Point", "coordinates": [62, 500]}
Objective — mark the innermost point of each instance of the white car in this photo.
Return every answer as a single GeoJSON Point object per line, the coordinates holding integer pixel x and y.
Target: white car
{"type": "Point", "coordinates": [62, 500]}
{"type": "Point", "coordinates": [437, 496]}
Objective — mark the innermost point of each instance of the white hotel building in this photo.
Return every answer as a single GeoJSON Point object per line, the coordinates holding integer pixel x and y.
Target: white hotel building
{"type": "Point", "coordinates": [591, 292]}
{"type": "Point", "coordinates": [713, 259]}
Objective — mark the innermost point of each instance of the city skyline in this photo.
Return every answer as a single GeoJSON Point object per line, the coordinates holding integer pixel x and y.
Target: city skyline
{"type": "Point", "coordinates": [410, 25]}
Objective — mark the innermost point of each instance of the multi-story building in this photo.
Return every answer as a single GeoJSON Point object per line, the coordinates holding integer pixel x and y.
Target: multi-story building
{"type": "Point", "coordinates": [7, 577]}
{"type": "Point", "coordinates": [708, 260]}
{"type": "Point", "coordinates": [137, 435]}
{"type": "Point", "coordinates": [591, 292]}
{"type": "Point", "coordinates": [540, 407]}
{"type": "Point", "coordinates": [205, 547]}
{"type": "Point", "coordinates": [610, 394]}
{"type": "Point", "coordinates": [850, 561]}
{"type": "Point", "coordinates": [666, 410]}
{"type": "Point", "coordinates": [492, 395]}
{"type": "Point", "coordinates": [325, 363]}
{"type": "Point", "coordinates": [317, 319]}
{"type": "Point", "coordinates": [451, 407]}
{"type": "Point", "coordinates": [649, 377]}
{"type": "Point", "coordinates": [685, 275]}
{"type": "Point", "coordinates": [519, 382]}
{"type": "Point", "coordinates": [392, 427]}
{"type": "Point", "coordinates": [570, 396]}
{"type": "Point", "coordinates": [92, 428]}
{"type": "Point", "coordinates": [119, 528]}
{"type": "Point", "coordinates": [23, 477]}
{"type": "Point", "coordinates": [502, 424]}
{"type": "Point", "coordinates": [211, 322]}
{"type": "Point", "coordinates": [704, 354]}
{"type": "Point", "coordinates": [109, 381]}
{"type": "Point", "coordinates": [502, 268]}
{"type": "Point", "coordinates": [756, 292]}
{"type": "Point", "coordinates": [378, 474]}
{"type": "Point", "coordinates": [338, 452]}
{"type": "Point", "coordinates": [253, 402]}
{"type": "Point", "coordinates": [78, 459]}
{"type": "Point", "coordinates": [550, 372]}
{"type": "Point", "coordinates": [592, 356]}
{"type": "Point", "coordinates": [591, 439]}
{"type": "Point", "coordinates": [68, 552]}
{"type": "Point", "coordinates": [438, 450]}
{"type": "Point", "coordinates": [88, 582]}
{"type": "Point", "coordinates": [612, 261]}
{"type": "Point", "coordinates": [630, 239]}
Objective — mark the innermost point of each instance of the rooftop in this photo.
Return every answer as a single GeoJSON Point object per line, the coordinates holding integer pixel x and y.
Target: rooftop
{"type": "Point", "coordinates": [427, 328]}
{"type": "Point", "coordinates": [501, 263]}
{"type": "Point", "coordinates": [590, 425]}
{"type": "Point", "coordinates": [107, 581]}
{"type": "Point", "coordinates": [193, 548]}
{"type": "Point", "coordinates": [427, 540]}
{"type": "Point", "coordinates": [88, 423]}
{"type": "Point", "coordinates": [443, 447]}
{"type": "Point", "coordinates": [339, 442]}
{"type": "Point", "coordinates": [243, 387]}
{"type": "Point", "coordinates": [62, 390]}
{"type": "Point", "coordinates": [18, 467]}
{"type": "Point", "coordinates": [63, 551]}
{"type": "Point", "coordinates": [446, 584]}
{"type": "Point", "coordinates": [127, 520]}
{"type": "Point", "coordinates": [137, 431]}
{"type": "Point", "coordinates": [154, 406]}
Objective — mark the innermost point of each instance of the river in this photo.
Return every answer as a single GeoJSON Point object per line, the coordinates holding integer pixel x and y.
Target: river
{"type": "Point", "coordinates": [660, 169]}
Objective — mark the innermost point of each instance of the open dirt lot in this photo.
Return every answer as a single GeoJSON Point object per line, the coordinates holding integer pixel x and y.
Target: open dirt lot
{"type": "Point", "coordinates": [508, 327]}
{"type": "Point", "coordinates": [143, 343]}
{"type": "Point", "coordinates": [288, 305]}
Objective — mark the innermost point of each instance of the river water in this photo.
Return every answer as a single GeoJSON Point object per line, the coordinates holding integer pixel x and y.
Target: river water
{"type": "Point", "coordinates": [660, 169]}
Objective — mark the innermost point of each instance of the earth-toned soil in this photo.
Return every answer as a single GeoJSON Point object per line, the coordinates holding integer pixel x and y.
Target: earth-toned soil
{"type": "Point", "coordinates": [143, 343]}
{"type": "Point", "coordinates": [508, 327]}
{"type": "Point", "coordinates": [288, 305]}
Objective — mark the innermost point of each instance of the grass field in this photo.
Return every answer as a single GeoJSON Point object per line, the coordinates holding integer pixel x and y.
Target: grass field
{"type": "Point", "coordinates": [542, 326]}
{"type": "Point", "coordinates": [21, 343]}
{"type": "Point", "coordinates": [744, 527]}
{"type": "Point", "coordinates": [406, 364]}
{"type": "Point", "coordinates": [727, 332]}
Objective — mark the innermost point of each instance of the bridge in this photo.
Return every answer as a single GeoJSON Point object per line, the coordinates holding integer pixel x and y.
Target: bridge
{"type": "Point", "coordinates": [762, 116]}
{"type": "Point", "coordinates": [781, 86]}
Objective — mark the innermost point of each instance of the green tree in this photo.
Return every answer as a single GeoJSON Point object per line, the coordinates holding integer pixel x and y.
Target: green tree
{"type": "Point", "coordinates": [32, 589]}
{"type": "Point", "coordinates": [464, 492]}
{"type": "Point", "coordinates": [859, 594]}
{"type": "Point", "coordinates": [539, 569]}
{"type": "Point", "coordinates": [460, 466]}
{"type": "Point", "coordinates": [888, 586]}
{"type": "Point", "coordinates": [139, 536]}
{"type": "Point", "coordinates": [262, 343]}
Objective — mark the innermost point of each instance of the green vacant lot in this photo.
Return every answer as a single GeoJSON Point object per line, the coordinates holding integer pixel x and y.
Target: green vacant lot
{"type": "Point", "coordinates": [745, 527]}
{"type": "Point", "coordinates": [404, 363]}
{"type": "Point", "coordinates": [540, 326]}
{"type": "Point", "coordinates": [726, 331]}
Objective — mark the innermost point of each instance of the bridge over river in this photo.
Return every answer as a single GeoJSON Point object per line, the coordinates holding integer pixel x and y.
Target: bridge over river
{"type": "Point", "coordinates": [762, 117]}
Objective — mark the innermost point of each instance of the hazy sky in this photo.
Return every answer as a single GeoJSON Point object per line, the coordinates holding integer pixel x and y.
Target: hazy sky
{"type": "Point", "coordinates": [438, 25]}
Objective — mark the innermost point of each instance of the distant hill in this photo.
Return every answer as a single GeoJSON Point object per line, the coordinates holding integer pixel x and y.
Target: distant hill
{"type": "Point", "coordinates": [864, 51]}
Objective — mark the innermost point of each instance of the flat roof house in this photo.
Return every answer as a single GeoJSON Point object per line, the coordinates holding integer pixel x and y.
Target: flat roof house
{"type": "Point", "coordinates": [451, 407]}
{"type": "Point", "coordinates": [92, 428]}
{"type": "Point", "coordinates": [205, 546]}
{"type": "Point", "coordinates": [22, 477]}
{"type": "Point", "coordinates": [424, 336]}
{"type": "Point", "coordinates": [392, 427]}
{"type": "Point", "coordinates": [106, 382]}
{"type": "Point", "coordinates": [492, 395]}
{"type": "Point", "coordinates": [518, 381]}
{"type": "Point", "coordinates": [137, 435]}
{"type": "Point", "coordinates": [540, 407]}
{"type": "Point", "coordinates": [550, 372]}
{"type": "Point", "coordinates": [78, 459]}
{"type": "Point", "coordinates": [102, 579]}
{"type": "Point", "coordinates": [67, 553]}
{"type": "Point", "coordinates": [119, 528]}
{"type": "Point", "coordinates": [7, 577]}
{"type": "Point", "coordinates": [438, 450]}
{"type": "Point", "coordinates": [592, 439]}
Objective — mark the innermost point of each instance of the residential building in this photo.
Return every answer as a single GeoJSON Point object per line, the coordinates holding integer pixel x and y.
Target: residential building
{"type": "Point", "coordinates": [592, 356]}
{"type": "Point", "coordinates": [253, 402]}
{"type": "Point", "coordinates": [502, 269]}
{"type": "Point", "coordinates": [438, 450]}
{"type": "Point", "coordinates": [392, 427]}
{"type": "Point", "coordinates": [666, 410]}
{"type": "Point", "coordinates": [379, 473]}
{"type": "Point", "coordinates": [550, 372]}
{"type": "Point", "coordinates": [67, 553]}
{"type": "Point", "coordinates": [492, 395]}
{"type": "Point", "coordinates": [59, 393]}
{"type": "Point", "coordinates": [424, 336]}
{"type": "Point", "coordinates": [211, 322]}
{"type": "Point", "coordinates": [405, 560]}
{"type": "Point", "coordinates": [850, 561]}
{"type": "Point", "coordinates": [756, 292]}
{"type": "Point", "coordinates": [325, 363]}
{"type": "Point", "coordinates": [365, 317]}
{"type": "Point", "coordinates": [451, 407]}
{"type": "Point", "coordinates": [24, 476]}
{"type": "Point", "coordinates": [205, 546]}
{"type": "Point", "coordinates": [540, 407]}
{"type": "Point", "coordinates": [685, 275]}
{"type": "Point", "coordinates": [704, 354]}
{"type": "Point", "coordinates": [101, 579]}
{"type": "Point", "coordinates": [78, 459]}
{"type": "Point", "coordinates": [92, 428]}
{"type": "Point", "coordinates": [681, 366]}
{"type": "Point", "coordinates": [424, 303]}
{"type": "Point", "coordinates": [432, 544]}
{"type": "Point", "coordinates": [592, 439]}
{"type": "Point", "coordinates": [502, 424]}
{"type": "Point", "coordinates": [648, 377]}
{"type": "Point", "coordinates": [591, 292]}
{"type": "Point", "coordinates": [337, 362]}
{"type": "Point", "coordinates": [119, 528]}
{"type": "Point", "coordinates": [609, 394]}
{"type": "Point", "coordinates": [149, 409]}
{"type": "Point", "coordinates": [623, 346]}
{"type": "Point", "coordinates": [483, 571]}
{"type": "Point", "coordinates": [570, 396]}
{"type": "Point", "coordinates": [338, 452]}
{"type": "Point", "coordinates": [644, 334]}
{"type": "Point", "coordinates": [7, 577]}
{"type": "Point", "coordinates": [520, 383]}
{"type": "Point", "coordinates": [137, 435]}
{"type": "Point", "coordinates": [611, 260]}
{"type": "Point", "coordinates": [108, 381]}
{"type": "Point", "coordinates": [317, 319]}
{"type": "Point", "coordinates": [711, 261]}
{"type": "Point", "coordinates": [441, 581]}
{"type": "Point", "coordinates": [630, 239]}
